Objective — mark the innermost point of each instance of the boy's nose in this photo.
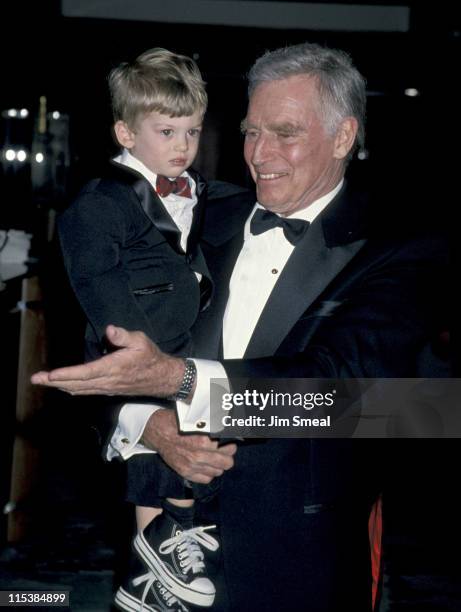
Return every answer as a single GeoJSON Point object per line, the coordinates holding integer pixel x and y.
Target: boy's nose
{"type": "Point", "coordinates": [181, 144]}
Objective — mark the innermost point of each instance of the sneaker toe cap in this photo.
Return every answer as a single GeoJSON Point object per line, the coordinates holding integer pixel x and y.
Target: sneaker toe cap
{"type": "Point", "coordinates": [204, 585]}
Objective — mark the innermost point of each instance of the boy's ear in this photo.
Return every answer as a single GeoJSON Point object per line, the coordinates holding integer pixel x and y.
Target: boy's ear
{"type": "Point", "coordinates": [125, 137]}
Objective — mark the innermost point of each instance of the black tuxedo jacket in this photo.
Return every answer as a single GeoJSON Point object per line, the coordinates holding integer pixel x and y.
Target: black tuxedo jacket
{"type": "Point", "coordinates": [126, 266]}
{"type": "Point", "coordinates": [357, 298]}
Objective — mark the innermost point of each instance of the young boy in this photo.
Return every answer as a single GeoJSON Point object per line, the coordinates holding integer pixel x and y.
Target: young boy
{"type": "Point", "coordinates": [130, 247]}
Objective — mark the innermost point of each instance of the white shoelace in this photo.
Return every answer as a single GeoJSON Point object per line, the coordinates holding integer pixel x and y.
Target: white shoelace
{"type": "Point", "coordinates": [188, 543]}
{"type": "Point", "coordinates": [168, 597]}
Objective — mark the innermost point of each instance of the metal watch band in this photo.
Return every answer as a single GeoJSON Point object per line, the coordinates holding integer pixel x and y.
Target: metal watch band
{"type": "Point", "coordinates": [190, 374]}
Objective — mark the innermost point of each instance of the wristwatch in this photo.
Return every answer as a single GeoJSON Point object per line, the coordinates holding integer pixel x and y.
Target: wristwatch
{"type": "Point", "coordinates": [190, 374]}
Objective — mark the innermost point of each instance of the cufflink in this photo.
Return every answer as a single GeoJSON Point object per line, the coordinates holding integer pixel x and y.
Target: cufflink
{"type": "Point", "coordinates": [200, 424]}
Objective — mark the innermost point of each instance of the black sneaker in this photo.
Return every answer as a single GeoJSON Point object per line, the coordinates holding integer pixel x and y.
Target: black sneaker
{"type": "Point", "coordinates": [174, 556]}
{"type": "Point", "coordinates": [144, 592]}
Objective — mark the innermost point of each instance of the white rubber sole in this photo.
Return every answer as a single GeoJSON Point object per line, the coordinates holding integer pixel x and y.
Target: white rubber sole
{"type": "Point", "coordinates": [169, 580]}
{"type": "Point", "coordinates": [129, 603]}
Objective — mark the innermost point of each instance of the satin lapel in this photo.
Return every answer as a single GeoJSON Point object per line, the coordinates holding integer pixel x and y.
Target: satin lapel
{"type": "Point", "coordinates": [154, 209]}
{"type": "Point", "coordinates": [311, 267]}
{"type": "Point", "coordinates": [199, 210]}
{"type": "Point", "coordinates": [194, 253]}
{"type": "Point", "coordinates": [150, 203]}
{"type": "Point", "coordinates": [208, 330]}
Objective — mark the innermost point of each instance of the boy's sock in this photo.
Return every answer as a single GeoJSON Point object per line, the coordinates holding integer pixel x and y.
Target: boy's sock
{"type": "Point", "coordinates": [182, 515]}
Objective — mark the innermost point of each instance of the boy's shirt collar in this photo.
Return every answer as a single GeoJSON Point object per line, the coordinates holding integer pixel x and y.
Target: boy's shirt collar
{"type": "Point", "coordinates": [126, 159]}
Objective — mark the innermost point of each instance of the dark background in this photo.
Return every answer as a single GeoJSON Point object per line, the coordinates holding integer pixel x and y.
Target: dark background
{"type": "Point", "coordinates": [410, 140]}
{"type": "Point", "coordinates": [412, 145]}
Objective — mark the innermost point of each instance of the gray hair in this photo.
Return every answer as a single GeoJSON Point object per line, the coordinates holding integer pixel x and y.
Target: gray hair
{"type": "Point", "coordinates": [340, 85]}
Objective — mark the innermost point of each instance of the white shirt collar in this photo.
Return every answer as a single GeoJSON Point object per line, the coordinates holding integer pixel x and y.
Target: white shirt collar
{"type": "Point", "coordinates": [126, 159]}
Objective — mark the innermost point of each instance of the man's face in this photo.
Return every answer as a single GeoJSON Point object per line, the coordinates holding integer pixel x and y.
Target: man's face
{"type": "Point", "coordinates": [292, 159]}
{"type": "Point", "coordinates": [166, 145]}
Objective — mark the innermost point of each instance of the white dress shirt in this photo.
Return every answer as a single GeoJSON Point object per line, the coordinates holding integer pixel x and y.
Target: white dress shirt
{"type": "Point", "coordinates": [256, 271]}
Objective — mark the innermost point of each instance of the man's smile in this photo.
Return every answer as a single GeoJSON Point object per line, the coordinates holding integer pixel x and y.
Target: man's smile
{"type": "Point", "coordinates": [270, 176]}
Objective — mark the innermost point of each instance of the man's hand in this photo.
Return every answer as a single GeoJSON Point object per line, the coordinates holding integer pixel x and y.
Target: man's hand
{"type": "Point", "coordinates": [138, 367]}
{"type": "Point", "coordinates": [194, 457]}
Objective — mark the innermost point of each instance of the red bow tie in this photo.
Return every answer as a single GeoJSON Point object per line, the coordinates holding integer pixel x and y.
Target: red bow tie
{"type": "Point", "coordinates": [164, 186]}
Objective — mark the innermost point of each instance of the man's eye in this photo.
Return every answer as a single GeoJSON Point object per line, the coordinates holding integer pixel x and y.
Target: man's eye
{"type": "Point", "coordinates": [167, 132]}
{"type": "Point", "coordinates": [250, 134]}
{"type": "Point", "coordinates": [286, 135]}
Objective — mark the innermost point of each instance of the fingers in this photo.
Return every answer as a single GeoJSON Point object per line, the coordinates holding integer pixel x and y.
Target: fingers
{"type": "Point", "coordinates": [122, 338]}
{"type": "Point", "coordinates": [228, 449]}
{"type": "Point", "coordinates": [118, 336]}
{"type": "Point", "coordinates": [64, 381]}
{"type": "Point", "coordinates": [79, 373]}
{"type": "Point", "coordinates": [210, 463]}
{"type": "Point", "coordinates": [199, 478]}
{"type": "Point", "coordinates": [199, 442]}
{"type": "Point", "coordinates": [214, 460]}
{"type": "Point", "coordinates": [76, 376]}
{"type": "Point", "coordinates": [223, 461]}
{"type": "Point", "coordinates": [208, 471]}
{"type": "Point", "coordinates": [39, 378]}
{"type": "Point", "coordinates": [82, 373]}
{"type": "Point", "coordinates": [198, 464]}
{"type": "Point", "coordinates": [202, 473]}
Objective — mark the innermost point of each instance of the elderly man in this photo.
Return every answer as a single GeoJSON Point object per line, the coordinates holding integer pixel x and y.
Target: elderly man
{"type": "Point", "coordinates": [308, 284]}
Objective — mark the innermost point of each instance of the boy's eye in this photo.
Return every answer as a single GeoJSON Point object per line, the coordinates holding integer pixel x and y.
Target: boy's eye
{"type": "Point", "coordinates": [194, 132]}
{"type": "Point", "coordinates": [167, 132]}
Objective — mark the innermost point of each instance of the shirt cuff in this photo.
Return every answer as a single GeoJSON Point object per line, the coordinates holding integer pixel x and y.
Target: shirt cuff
{"type": "Point", "coordinates": [195, 417]}
{"type": "Point", "coordinates": [132, 420]}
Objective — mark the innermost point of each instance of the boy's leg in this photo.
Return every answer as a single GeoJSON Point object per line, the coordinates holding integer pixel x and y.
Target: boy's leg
{"type": "Point", "coordinates": [181, 503]}
{"type": "Point", "coordinates": [145, 587]}
{"type": "Point", "coordinates": [167, 545]}
{"type": "Point", "coordinates": [144, 515]}
{"type": "Point", "coordinates": [172, 549]}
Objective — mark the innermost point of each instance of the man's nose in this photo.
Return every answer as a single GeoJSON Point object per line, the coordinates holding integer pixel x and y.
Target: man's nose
{"type": "Point", "coordinates": [262, 149]}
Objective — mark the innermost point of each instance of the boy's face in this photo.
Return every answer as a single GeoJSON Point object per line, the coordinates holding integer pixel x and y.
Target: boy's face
{"type": "Point", "coordinates": [166, 145]}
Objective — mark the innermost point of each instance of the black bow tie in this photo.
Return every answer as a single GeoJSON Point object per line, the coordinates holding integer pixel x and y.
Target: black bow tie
{"type": "Point", "coordinates": [264, 220]}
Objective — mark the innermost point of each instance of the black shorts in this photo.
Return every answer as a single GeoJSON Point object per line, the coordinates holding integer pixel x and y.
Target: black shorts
{"type": "Point", "coordinates": [150, 480]}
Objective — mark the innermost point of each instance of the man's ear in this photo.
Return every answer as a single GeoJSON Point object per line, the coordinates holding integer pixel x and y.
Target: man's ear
{"type": "Point", "coordinates": [125, 137]}
{"type": "Point", "coordinates": [345, 137]}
